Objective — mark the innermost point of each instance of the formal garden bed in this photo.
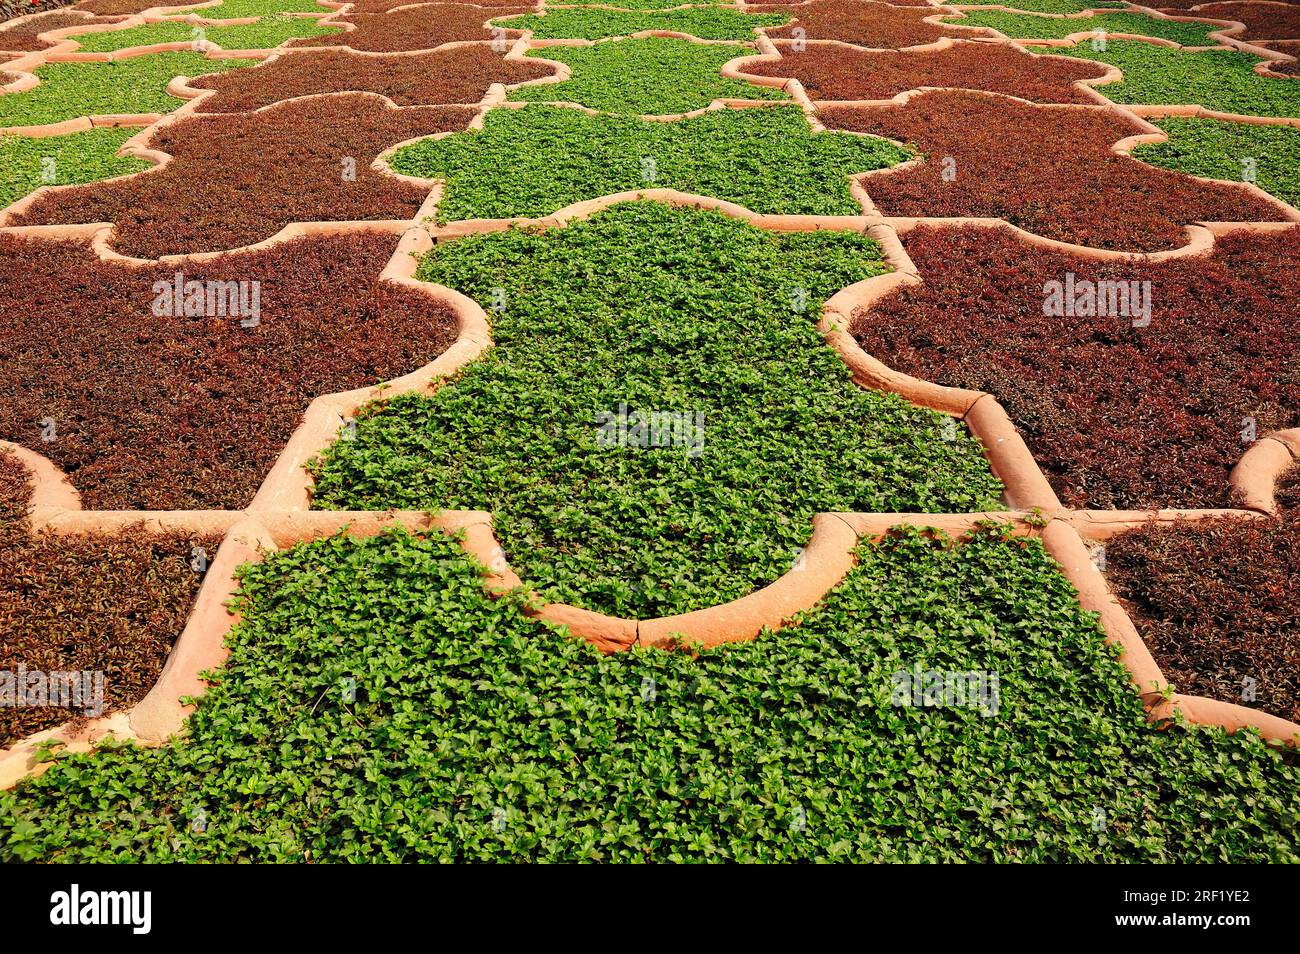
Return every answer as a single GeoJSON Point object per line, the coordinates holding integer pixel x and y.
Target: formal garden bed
{"type": "Point", "coordinates": [1268, 156]}
{"type": "Point", "coordinates": [74, 158]}
{"type": "Point", "coordinates": [1027, 26]}
{"type": "Point", "coordinates": [705, 23]}
{"type": "Point", "coordinates": [865, 23]}
{"type": "Point", "coordinates": [421, 27]}
{"type": "Point", "coordinates": [264, 34]}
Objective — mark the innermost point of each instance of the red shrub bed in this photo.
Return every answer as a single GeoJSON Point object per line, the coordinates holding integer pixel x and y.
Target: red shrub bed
{"type": "Point", "coordinates": [1264, 21]}
{"type": "Point", "coordinates": [831, 73]}
{"type": "Point", "coordinates": [1047, 169]}
{"type": "Point", "coordinates": [871, 24]}
{"type": "Point", "coordinates": [1117, 416]}
{"type": "Point", "coordinates": [383, 6]}
{"type": "Point", "coordinates": [169, 413]}
{"type": "Point", "coordinates": [21, 36]}
{"type": "Point", "coordinates": [1219, 606]}
{"type": "Point", "coordinates": [458, 75]}
{"type": "Point", "coordinates": [111, 8]}
{"type": "Point", "coordinates": [418, 28]}
{"type": "Point", "coordinates": [112, 605]}
{"type": "Point", "coordinates": [235, 180]}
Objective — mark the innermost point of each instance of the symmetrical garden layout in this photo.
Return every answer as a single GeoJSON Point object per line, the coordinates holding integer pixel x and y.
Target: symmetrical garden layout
{"type": "Point", "coordinates": [650, 431]}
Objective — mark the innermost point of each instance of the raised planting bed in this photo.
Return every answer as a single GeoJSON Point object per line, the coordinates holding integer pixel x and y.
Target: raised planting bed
{"type": "Point", "coordinates": [460, 74]}
{"type": "Point", "coordinates": [225, 397]}
{"type": "Point", "coordinates": [1047, 169]}
{"type": "Point", "coordinates": [226, 10]}
{"type": "Point", "coordinates": [1290, 48]}
{"type": "Point", "coordinates": [1216, 604]}
{"type": "Point", "coordinates": [1221, 80]}
{"type": "Point", "coordinates": [579, 23]}
{"type": "Point", "coordinates": [136, 85]}
{"type": "Point", "coordinates": [265, 34]}
{"type": "Point", "coordinates": [110, 606]}
{"type": "Point", "coordinates": [1027, 26]}
{"type": "Point", "coordinates": [835, 73]}
{"type": "Point", "coordinates": [862, 22]}
{"type": "Point", "coordinates": [1117, 416]}
{"type": "Point", "coordinates": [790, 747]}
{"type": "Point", "coordinates": [1270, 155]}
{"type": "Point", "coordinates": [239, 179]}
{"type": "Point", "coordinates": [647, 77]}
{"type": "Point", "coordinates": [644, 309]}
{"type": "Point", "coordinates": [21, 34]}
{"type": "Point", "coordinates": [536, 160]}
{"type": "Point", "coordinates": [421, 27]}
{"type": "Point", "coordinates": [74, 158]}
{"type": "Point", "coordinates": [1264, 21]}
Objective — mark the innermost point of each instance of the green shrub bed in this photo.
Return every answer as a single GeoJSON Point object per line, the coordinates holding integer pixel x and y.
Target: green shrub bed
{"type": "Point", "coordinates": [532, 161]}
{"type": "Point", "coordinates": [239, 9]}
{"type": "Point", "coordinates": [1221, 79]}
{"type": "Point", "coordinates": [653, 76]}
{"type": "Point", "coordinates": [578, 23]}
{"type": "Point", "coordinates": [1224, 150]}
{"type": "Point", "coordinates": [79, 157]}
{"type": "Point", "coordinates": [655, 309]}
{"type": "Point", "coordinates": [1054, 6]}
{"type": "Point", "coordinates": [265, 34]}
{"type": "Point", "coordinates": [134, 85]}
{"type": "Point", "coordinates": [1027, 26]}
{"type": "Point", "coordinates": [376, 706]}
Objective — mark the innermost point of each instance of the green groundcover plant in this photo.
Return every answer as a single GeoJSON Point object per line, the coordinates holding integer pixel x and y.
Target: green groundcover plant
{"type": "Point", "coordinates": [377, 706]}
{"type": "Point", "coordinates": [535, 160]}
{"type": "Point", "coordinates": [576, 23]}
{"type": "Point", "coordinates": [27, 163]}
{"type": "Point", "coordinates": [648, 309]}
{"type": "Point", "coordinates": [239, 9]}
{"type": "Point", "coordinates": [265, 34]}
{"type": "Point", "coordinates": [1267, 155]}
{"type": "Point", "coordinates": [653, 76]}
{"type": "Point", "coordinates": [1055, 6]}
{"type": "Point", "coordinates": [1221, 79]}
{"type": "Point", "coordinates": [137, 84]}
{"type": "Point", "coordinates": [1026, 26]}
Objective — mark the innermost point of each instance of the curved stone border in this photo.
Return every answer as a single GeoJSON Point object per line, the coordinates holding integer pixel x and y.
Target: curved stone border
{"type": "Point", "coordinates": [1256, 474]}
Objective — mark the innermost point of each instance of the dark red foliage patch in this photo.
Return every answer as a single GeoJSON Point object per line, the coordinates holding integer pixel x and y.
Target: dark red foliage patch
{"type": "Point", "coordinates": [121, 7]}
{"type": "Point", "coordinates": [21, 36]}
{"type": "Point", "coordinates": [880, 26]}
{"type": "Point", "coordinates": [383, 6]}
{"type": "Point", "coordinates": [416, 28]}
{"type": "Point", "coordinates": [1219, 606]}
{"type": "Point", "coordinates": [97, 603]}
{"type": "Point", "coordinates": [461, 74]}
{"type": "Point", "coordinates": [173, 413]}
{"type": "Point", "coordinates": [1290, 48]}
{"type": "Point", "coordinates": [235, 180]}
{"type": "Point", "coordinates": [1117, 416]}
{"type": "Point", "coordinates": [834, 73]}
{"type": "Point", "coordinates": [1047, 169]}
{"type": "Point", "coordinates": [1264, 21]}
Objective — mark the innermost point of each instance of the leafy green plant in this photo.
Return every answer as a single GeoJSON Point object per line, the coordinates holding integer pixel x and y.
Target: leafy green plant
{"type": "Point", "coordinates": [239, 9]}
{"type": "Point", "coordinates": [78, 157]}
{"type": "Point", "coordinates": [1216, 149]}
{"type": "Point", "coordinates": [1054, 6]}
{"type": "Point", "coordinates": [137, 84]}
{"type": "Point", "coordinates": [1027, 26]}
{"type": "Point", "coordinates": [583, 23]}
{"type": "Point", "coordinates": [1218, 79]}
{"type": "Point", "coordinates": [653, 76]}
{"type": "Point", "coordinates": [532, 161]}
{"type": "Point", "coordinates": [377, 706]}
{"type": "Point", "coordinates": [655, 309]}
{"type": "Point", "coordinates": [265, 34]}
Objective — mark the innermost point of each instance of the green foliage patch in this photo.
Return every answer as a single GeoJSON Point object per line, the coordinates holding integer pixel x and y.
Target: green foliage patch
{"type": "Point", "coordinates": [239, 9]}
{"type": "Point", "coordinates": [1055, 6]}
{"type": "Point", "coordinates": [1216, 149]}
{"type": "Point", "coordinates": [137, 84]}
{"type": "Point", "coordinates": [532, 161]}
{"type": "Point", "coordinates": [579, 23]}
{"type": "Point", "coordinates": [75, 158]}
{"type": "Point", "coordinates": [1221, 79]}
{"type": "Point", "coordinates": [265, 34]}
{"type": "Point", "coordinates": [1026, 26]}
{"type": "Point", "coordinates": [655, 309]}
{"type": "Point", "coordinates": [653, 76]}
{"type": "Point", "coordinates": [376, 706]}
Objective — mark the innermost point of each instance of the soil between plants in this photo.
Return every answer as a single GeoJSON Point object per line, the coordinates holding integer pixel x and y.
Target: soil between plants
{"type": "Point", "coordinates": [834, 73]}
{"type": "Point", "coordinates": [112, 604]}
{"type": "Point", "coordinates": [1117, 416]}
{"type": "Point", "coordinates": [175, 413]}
{"type": "Point", "coordinates": [238, 179]}
{"type": "Point", "coordinates": [1048, 170]}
